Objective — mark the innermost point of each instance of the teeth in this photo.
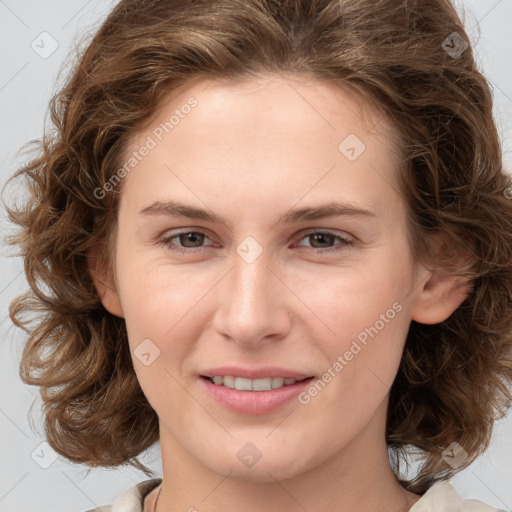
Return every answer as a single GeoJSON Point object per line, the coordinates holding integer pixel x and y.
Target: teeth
{"type": "Point", "coordinates": [243, 384]}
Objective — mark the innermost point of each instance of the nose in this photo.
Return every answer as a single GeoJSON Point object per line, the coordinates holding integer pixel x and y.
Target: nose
{"type": "Point", "coordinates": [253, 303]}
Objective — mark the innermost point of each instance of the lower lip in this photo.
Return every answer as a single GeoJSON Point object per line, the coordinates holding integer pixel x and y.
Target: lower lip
{"type": "Point", "coordinates": [253, 402]}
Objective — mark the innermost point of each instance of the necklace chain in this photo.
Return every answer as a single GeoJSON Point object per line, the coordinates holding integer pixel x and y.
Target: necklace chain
{"type": "Point", "coordinates": [158, 496]}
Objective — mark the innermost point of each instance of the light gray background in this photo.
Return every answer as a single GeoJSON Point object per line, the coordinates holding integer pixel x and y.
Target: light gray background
{"type": "Point", "coordinates": [26, 84]}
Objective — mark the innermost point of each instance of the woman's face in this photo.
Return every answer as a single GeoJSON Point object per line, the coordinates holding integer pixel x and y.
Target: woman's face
{"type": "Point", "coordinates": [296, 265]}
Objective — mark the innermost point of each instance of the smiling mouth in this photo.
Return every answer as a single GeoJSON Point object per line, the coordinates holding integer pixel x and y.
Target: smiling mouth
{"type": "Point", "coordinates": [244, 384]}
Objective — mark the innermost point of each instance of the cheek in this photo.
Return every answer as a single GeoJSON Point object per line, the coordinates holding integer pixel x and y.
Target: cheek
{"type": "Point", "coordinates": [157, 298]}
{"type": "Point", "coordinates": [352, 301]}
{"type": "Point", "coordinates": [367, 313]}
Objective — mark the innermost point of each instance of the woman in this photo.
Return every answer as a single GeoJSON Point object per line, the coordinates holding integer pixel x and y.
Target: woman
{"type": "Point", "coordinates": [204, 153]}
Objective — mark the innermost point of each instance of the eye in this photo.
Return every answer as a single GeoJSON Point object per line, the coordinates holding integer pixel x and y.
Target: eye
{"type": "Point", "coordinates": [189, 240]}
{"type": "Point", "coordinates": [326, 238]}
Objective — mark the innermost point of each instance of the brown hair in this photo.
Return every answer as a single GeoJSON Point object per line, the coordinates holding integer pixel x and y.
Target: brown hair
{"type": "Point", "coordinates": [454, 376]}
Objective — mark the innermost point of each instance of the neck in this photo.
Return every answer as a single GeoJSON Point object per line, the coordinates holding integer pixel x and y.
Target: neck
{"type": "Point", "coordinates": [358, 477]}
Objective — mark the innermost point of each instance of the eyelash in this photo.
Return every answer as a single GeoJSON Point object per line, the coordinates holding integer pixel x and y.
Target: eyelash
{"type": "Point", "coordinates": [167, 242]}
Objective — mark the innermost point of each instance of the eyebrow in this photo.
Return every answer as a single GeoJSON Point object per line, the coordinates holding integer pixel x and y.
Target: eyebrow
{"type": "Point", "coordinates": [332, 209]}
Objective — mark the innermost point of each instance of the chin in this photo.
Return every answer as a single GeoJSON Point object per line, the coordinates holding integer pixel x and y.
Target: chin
{"type": "Point", "coordinates": [274, 466]}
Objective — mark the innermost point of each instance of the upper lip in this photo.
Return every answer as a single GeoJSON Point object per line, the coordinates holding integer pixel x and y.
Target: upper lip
{"type": "Point", "coordinates": [255, 373]}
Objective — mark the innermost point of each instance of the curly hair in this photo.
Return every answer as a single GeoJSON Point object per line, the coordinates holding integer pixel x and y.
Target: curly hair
{"type": "Point", "coordinates": [454, 377]}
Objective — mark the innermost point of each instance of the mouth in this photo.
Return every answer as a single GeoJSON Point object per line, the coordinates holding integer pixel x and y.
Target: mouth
{"type": "Point", "coordinates": [245, 384]}
{"type": "Point", "coordinates": [242, 395]}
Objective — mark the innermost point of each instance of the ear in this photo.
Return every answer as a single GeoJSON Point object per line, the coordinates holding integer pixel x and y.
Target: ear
{"type": "Point", "coordinates": [103, 279]}
{"type": "Point", "coordinates": [440, 293]}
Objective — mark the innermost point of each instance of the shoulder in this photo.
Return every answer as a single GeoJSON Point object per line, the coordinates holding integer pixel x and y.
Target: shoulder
{"type": "Point", "coordinates": [442, 497]}
{"type": "Point", "coordinates": [132, 500]}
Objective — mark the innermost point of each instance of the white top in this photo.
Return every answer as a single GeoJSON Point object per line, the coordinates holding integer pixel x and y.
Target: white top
{"type": "Point", "coordinates": [441, 497]}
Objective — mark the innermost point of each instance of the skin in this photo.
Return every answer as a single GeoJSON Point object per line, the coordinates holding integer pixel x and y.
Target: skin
{"type": "Point", "coordinates": [250, 151]}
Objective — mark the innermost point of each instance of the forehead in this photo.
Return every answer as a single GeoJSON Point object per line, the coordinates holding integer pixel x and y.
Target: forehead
{"type": "Point", "coordinates": [278, 135]}
{"type": "Point", "coordinates": [276, 99]}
